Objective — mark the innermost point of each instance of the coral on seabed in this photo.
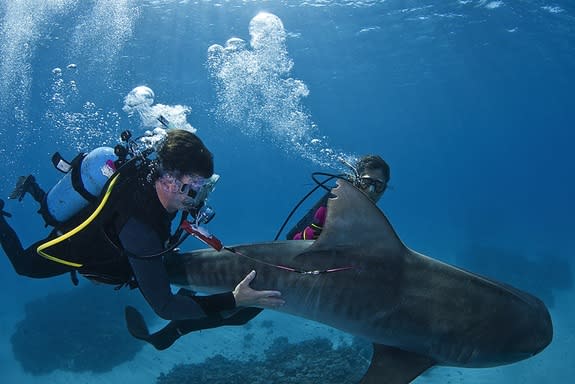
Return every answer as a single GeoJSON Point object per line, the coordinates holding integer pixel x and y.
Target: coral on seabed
{"type": "Point", "coordinates": [79, 330]}
{"type": "Point", "coordinates": [310, 361]}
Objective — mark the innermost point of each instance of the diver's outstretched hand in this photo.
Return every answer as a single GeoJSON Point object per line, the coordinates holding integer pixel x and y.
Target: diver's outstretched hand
{"type": "Point", "coordinates": [247, 297]}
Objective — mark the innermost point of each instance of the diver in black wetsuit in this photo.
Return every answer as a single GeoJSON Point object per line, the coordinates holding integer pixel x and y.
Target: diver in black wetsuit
{"type": "Point", "coordinates": [124, 243]}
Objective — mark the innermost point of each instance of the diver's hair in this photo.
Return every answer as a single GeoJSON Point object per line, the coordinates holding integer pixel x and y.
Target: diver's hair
{"type": "Point", "coordinates": [373, 162]}
{"type": "Point", "coordinates": [182, 152]}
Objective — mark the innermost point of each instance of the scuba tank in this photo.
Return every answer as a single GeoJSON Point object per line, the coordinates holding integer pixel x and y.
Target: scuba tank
{"type": "Point", "coordinates": [85, 177]}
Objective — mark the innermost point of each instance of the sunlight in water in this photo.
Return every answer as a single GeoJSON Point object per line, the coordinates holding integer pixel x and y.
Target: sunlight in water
{"type": "Point", "coordinates": [100, 35]}
{"type": "Point", "coordinates": [21, 24]}
{"type": "Point", "coordinates": [105, 31]}
{"type": "Point", "coordinates": [28, 29]}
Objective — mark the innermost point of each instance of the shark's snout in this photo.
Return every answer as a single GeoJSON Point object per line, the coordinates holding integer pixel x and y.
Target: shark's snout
{"type": "Point", "coordinates": [542, 332]}
{"type": "Point", "coordinates": [533, 332]}
{"type": "Point", "coordinates": [519, 329]}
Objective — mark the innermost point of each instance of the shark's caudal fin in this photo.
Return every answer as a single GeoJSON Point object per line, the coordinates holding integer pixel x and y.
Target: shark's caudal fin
{"type": "Point", "coordinates": [352, 219]}
{"type": "Point", "coordinates": [393, 366]}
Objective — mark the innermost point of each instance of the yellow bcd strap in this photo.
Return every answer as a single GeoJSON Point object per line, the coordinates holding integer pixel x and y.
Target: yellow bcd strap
{"type": "Point", "coordinates": [72, 232]}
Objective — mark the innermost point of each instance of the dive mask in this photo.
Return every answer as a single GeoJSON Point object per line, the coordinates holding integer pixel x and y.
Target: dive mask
{"type": "Point", "coordinates": [366, 183]}
{"type": "Point", "coordinates": [372, 184]}
{"type": "Point", "coordinates": [197, 192]}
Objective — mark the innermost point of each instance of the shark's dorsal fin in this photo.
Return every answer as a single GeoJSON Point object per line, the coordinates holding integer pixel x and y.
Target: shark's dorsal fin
{"type": "Point", "coordinates": [393, 366]}
{"type": "Point", "coordinates": [352, 219]}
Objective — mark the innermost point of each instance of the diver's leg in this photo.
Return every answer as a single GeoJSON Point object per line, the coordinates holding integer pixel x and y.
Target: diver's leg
{"type": "Point", "coordinates": [168, 335]}
{"type": "Point", "coordinates": [26, 262]}
{"type": "Point", "coordinates": [11, 244]}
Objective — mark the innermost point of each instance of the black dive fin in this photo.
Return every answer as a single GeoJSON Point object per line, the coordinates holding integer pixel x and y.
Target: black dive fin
{"type": "Point", "coordinates": [137, 327]}
{"type": "Point", "coordinates": [22, 186]}
{"type": "Point", "coordinates": [136, 324]}
{"type": "Point", "coordinates": [393, 366]}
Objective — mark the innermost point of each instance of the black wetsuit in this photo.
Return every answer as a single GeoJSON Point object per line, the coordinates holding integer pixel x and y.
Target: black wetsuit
{"type": "Point", "coordinates": [118, 248]}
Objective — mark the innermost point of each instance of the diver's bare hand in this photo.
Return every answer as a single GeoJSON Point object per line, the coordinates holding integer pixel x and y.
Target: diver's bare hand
{"type": "Point", "coordinates": [247, 297]}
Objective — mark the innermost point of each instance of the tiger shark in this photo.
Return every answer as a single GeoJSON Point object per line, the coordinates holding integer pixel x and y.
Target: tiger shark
{"type": "Point", "coordinates": [417, 311]}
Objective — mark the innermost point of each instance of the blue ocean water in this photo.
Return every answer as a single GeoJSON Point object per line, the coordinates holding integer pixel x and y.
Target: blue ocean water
{"type": "Point", "coordinates": [469, 101]}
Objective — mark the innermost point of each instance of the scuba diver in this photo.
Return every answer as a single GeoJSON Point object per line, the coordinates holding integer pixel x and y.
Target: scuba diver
{"type": "Point", "coordinates": [111, 216]}
{"type": "Point", "coordinates": [371, 175]}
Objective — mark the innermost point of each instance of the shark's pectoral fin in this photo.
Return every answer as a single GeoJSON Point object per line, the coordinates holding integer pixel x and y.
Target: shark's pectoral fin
{"type": "Point", "coordinates": [393, 366]}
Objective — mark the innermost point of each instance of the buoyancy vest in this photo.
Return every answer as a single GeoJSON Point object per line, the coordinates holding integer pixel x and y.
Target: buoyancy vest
{"type": "Point", "coordinates": [95, 251]}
